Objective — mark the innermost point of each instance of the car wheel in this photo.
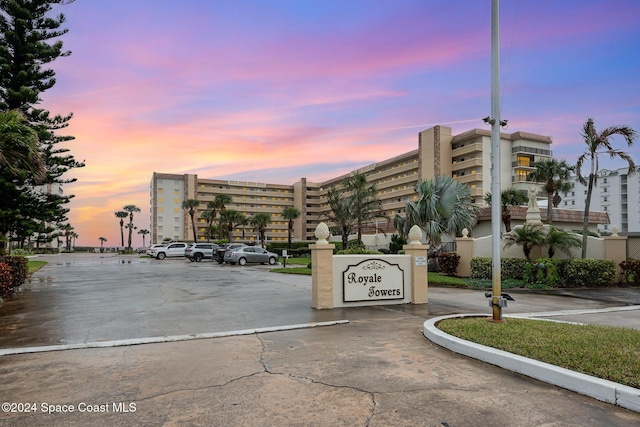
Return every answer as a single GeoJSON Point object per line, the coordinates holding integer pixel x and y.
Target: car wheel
{"type": "Point", "coordinates": [242, 261]}
{"type": "Point", "coordinates": [161, 255]}
{"type": "Point", "coordinates": [272, 261]}
{"type": "Point", "coordinates": [197, 257]}
{"type": "Point", "coordinates": [220, 261]}
{"type": "Point", "coordinates": [191, 259]}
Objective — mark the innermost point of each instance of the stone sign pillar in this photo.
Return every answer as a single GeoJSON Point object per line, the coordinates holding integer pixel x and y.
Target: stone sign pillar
{"type": "Point", "coordinates": [615, 249]}
{"type": "Point", "coordinates": [418, 252]}
{"type": "Point", "coordinates": [464, 248]}
{"type": "Point", "coordinates": [322, 269]}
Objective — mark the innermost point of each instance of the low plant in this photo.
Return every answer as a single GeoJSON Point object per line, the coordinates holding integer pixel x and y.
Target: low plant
{"type": "Point", "coordinates": [448, 262]}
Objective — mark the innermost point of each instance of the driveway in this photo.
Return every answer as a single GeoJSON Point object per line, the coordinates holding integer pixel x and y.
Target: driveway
{"type": "Point", "coordinates": [372, 367]}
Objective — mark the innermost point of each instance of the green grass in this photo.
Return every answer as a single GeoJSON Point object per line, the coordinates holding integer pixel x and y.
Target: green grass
{"type": "Point", "coordinates": [298, 261]}
{"type": "Point", "coordinates": [292, 270]}
{"type": "Point", "coordinates": [35, 265]}
{"type": "Point", "coordinates": [605, 352]}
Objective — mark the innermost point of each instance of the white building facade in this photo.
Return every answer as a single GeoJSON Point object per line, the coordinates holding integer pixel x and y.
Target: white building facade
{"type": "Point", "coordinates": [616, 192]}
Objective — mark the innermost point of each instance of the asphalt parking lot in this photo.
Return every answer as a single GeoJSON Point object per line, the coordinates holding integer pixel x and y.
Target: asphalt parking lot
{"type": "Point", "coordinates": [371, 367]}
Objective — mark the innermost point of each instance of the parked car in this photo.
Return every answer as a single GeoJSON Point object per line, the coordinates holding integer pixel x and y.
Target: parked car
{"type": "Point", "coordinates": [248, 254]}
{"type": "Point", "coordinates": [219, 253]}
{"type": "Point", "coordinates": [157, 245]}
{"type": "Point", "coordinates": [175, 249]}
{"type": "Point", "coordinates": [199, 251]}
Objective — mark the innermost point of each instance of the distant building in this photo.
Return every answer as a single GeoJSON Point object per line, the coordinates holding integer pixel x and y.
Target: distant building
{"type": "Point", "coordinates": [465, 157]}
{"type": "Point", "coordinates": [616, 193]}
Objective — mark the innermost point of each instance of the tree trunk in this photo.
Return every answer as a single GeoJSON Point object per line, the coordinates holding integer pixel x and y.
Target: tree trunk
{"type": "Point", "coordinates": [585, 220]}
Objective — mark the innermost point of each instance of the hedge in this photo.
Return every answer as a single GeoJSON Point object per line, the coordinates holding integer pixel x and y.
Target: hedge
{"type": "Point", "coordinates": [14, 274]}
{"type": "Point", "coordinates": [568, 273]}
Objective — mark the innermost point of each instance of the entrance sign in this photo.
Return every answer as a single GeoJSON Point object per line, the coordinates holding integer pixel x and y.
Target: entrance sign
{"type": "Point", "coordinates": [373, 280]}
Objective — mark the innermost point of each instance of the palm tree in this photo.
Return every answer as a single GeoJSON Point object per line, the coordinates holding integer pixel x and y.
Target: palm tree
{"type": "Point", "coordinates": [102, 240]}
{"type": "Point", "coordinates": [341, 217]}
{"type": "Point", "coordinates": [443, 208]}
{"type": "Point", "coordinates": [508, 197]}
{"type": "Point", "coordinates": [208, 217]}
{"type": "Point", "coordinates": [555, 175]}
{"type": "Point", "coordinates": [20, 146]}
{"type": "Point", "coordinates": [561, 240]}
{"type": "Point", "coordinates": [363, 204]}
{"type": "Point", "coordinates": [122, 215]}
{"type": "Point", "coordinates": [230, 217]}
{"type": "Point", "coordinates": [143, 232]}
{"type": "Point", "coordinates": [402, 226]}
{"type": "Point", "coordinates": [220, 202]}
{"type": "Point", "coordinates": [243, 221]}
{"type": "Point", "coordinates": [130, 227]}
{"type": "Point", "coordinates": [290, 213]}
{"type": "Point", "coordinates": [192, 205]}
{"type": "Point", "coordinates": [131, 209]}
{"type": "Point", "coordinates": [599, 143]}
{"type": "Point", "coordinates": [525, 235]}
{"type": "Point", "coordinates": [260, 221]}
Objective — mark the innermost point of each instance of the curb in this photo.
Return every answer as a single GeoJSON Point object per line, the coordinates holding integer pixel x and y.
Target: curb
{"type": "Point", "coordinates": [597, 388]}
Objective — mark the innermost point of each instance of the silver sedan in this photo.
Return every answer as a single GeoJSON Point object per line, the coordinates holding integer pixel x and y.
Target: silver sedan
{"type": "Point", "coordinates": [250, 254]}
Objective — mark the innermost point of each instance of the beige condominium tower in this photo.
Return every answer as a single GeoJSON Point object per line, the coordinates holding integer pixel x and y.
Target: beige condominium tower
{"type": "Point", "coordinates": [465, 157]}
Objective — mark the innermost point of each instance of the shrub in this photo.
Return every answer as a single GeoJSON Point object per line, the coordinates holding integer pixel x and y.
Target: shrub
{"type": "Point", "coordinates": [19, 268]}
{"type": "Point", "coordinates": [384, 251]}
{"type": "Point", "coordinates": [630, 271]}
{"type": "Point", "coordinates": [357, 251]}
{"type": "Point", "coordinates": [513, 267]}
{"type": "Point", "coordinates": [396, 244]}
{"type": "Point", "coordinates": [448, 262]}
{"type": "Point", "coordinates": [481, 268]}
{"type": "Point", "coordinates": [6, 278]}
{"type": "Point", "coordinates": [587, 273]}
{"type": "Point", "coordinates": [543, 271]}
{"type": "Point", "coordinates": [18, 252]}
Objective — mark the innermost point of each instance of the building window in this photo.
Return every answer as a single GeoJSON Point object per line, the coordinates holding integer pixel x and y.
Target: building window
{"type": "Point", "coordinates": [521, 175]}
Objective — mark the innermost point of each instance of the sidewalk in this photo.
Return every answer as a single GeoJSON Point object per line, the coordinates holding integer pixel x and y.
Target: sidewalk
{"type": "Point", "coordinates": [373, 368]}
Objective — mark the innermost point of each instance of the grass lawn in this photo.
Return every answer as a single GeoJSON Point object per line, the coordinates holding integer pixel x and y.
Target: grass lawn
{"type": "Point", "coordinates": [605, 352]}
{"type": "Point", "coordinates": [35, 265]}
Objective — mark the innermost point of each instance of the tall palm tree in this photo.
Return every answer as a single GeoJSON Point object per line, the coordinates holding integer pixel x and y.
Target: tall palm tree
{"type": "Point", "coordinates": [131, 209]}
{"type": "Point", "coordinates": [363, 204]}
{"type": "Point", "coordinates": [508, 197]}
{"type": "Point", "coordinates": [102, 240]}
{"type": "Point", "coordinates": [130, 227]}
{"type": "Point", "coordinates": [20, 146]}
{"type": "Point", "coordinates": [208, 217]}
{"type": "Point", "coordinates": [599, 143]}
{"type": "Point", "coordinates": [243, 221]}
{"type": "Point", "coordinates": [341, 216]}
{"type": "Point", "coordinates": [230, 217]}
{"type": "Point", "coordinates": [221, 201]}
{"type": "Point", "coordinates": [191, 205]}
{"type": "Point", "coordinates": [121, 215]}
{"type": "Point", "coordinates": [290, 213]}
{"type": "Point", "coordinates": [260, 221]}
{"type": "Point", "coordinates": [560, 240]}
{"type": "Point", "coordinates": [402, 226]}
{"type": "Point", "coordinates": [527, 236]}
{"type": "Point", "coordinates": [556, 177]}
{"type": "Point", "coordinates": [143, 232]}
{"type": "Point", "coordinates": [443, 208]}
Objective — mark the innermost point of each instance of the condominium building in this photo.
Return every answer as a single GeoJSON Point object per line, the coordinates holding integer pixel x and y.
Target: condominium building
{"type": "Point", "coordinates": [616, 193]}
{"type": "Point", "coordinates": [465, 157]}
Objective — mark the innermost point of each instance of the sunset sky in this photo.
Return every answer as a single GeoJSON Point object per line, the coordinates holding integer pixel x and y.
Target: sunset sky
{"type": "Point", "coordinates": [276, 90]}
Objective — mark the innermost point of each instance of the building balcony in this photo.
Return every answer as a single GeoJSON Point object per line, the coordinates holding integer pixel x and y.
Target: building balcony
{"type": "Point", "coordinates": [466, 164]}
{"type": "Point", "coordinates": [467, 149]}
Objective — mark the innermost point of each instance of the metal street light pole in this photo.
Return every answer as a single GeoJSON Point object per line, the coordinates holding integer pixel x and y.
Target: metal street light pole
{"type": "Point", "coordinates": [496, 300]}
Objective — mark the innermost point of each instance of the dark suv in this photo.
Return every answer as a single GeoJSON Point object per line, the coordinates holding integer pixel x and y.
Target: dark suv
{"type": "Point", "coordinates": [218, 255]}
{"type": "Point", "coordinates": [199, 251]}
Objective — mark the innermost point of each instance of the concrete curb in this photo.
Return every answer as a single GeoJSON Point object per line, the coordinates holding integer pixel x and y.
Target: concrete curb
{"type": "Point", "coordinates": [603, 390]}
{"type": "Point", "coordinates": [161, 339]}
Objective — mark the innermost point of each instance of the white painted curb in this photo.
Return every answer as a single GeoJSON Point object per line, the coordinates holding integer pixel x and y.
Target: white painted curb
{"type": "Point", "coordinates": [603, 390]}
{"type": "Point", "coordinates": [161, 339]}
